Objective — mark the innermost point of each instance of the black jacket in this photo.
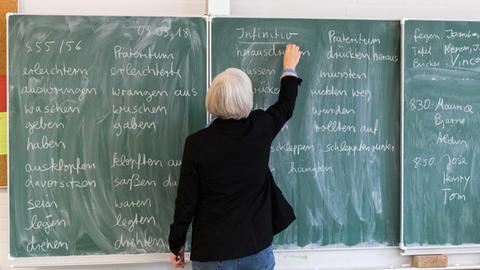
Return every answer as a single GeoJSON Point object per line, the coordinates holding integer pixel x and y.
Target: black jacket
{"type": "Point", "coordinates": [226, 186]}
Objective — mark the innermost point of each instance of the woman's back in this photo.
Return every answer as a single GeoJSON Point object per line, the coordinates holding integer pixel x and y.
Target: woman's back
{"type": "Point", "coordinates": [232, 164]}
{"type": "Point", "coordinates": [225, 184]}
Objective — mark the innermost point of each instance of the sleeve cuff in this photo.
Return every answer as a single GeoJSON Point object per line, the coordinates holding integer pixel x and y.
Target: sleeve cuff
{"type": "Point", "coordinates": [289, 72]}
{"type": "Point", "coordinates": [284, 74]}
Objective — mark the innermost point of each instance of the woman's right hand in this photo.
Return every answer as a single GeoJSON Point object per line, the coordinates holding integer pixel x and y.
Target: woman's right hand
{"type": "Point", "coordinates": [292, 56]}
{"type": "Point", "coordinates": [178, 261]}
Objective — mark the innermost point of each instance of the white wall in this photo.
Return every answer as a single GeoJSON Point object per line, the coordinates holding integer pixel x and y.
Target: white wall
{"type": "Point", "coordinates": [3, 226]}
{"type": "Point", "coordinates": [386, 9]}
{"type": "Point", "coordinates": [383, 9]}
{"type": "Point", "coordinates": [115, 7]}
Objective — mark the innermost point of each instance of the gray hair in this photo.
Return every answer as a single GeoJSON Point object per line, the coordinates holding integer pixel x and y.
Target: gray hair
{"type": "Point", "coordinates": [230, 95]}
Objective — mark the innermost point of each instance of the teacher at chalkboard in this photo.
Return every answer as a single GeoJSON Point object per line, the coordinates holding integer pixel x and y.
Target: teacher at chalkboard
{"type": "Point", "coordinates": [225, 184]}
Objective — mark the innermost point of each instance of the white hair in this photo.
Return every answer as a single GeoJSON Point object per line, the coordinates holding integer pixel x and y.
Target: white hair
{"type": "Point", "coordinates": [230, 95]}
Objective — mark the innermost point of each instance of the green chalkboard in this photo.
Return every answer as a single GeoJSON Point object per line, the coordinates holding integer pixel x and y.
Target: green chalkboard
{"type": "Point", "coordinates": [99, 108]}
{"type": "Point", "coordinates": [441, 188]}
{"type": "Point", "coordinates": [337, 159]}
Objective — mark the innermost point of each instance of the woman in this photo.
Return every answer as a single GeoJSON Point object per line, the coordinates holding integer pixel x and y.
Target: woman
{"type": "Point", "coordinates": [225, 184]}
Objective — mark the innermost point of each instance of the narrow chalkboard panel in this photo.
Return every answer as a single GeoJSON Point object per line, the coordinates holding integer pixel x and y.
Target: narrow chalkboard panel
{"type": "Point", "coordinates": [99, 108]}
{"type": "Point", "coordinates": [441, 193]}
{"type": "Point", "coordinates": [337, 160]}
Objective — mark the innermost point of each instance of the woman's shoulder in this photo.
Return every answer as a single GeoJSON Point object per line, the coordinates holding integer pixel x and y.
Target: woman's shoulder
{"type": "Point", "coordinates": [259, 113]}
{"type": "Point", "coordinates": [196, 136]}
{"type": "Point", "coordinates": [260, 116]}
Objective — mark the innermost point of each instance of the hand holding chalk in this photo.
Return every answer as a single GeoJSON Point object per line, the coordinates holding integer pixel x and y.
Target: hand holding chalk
{"type": "Point", "coordinates": [178, 260]}
{"type": "Point", "coordinates": [291, 57]}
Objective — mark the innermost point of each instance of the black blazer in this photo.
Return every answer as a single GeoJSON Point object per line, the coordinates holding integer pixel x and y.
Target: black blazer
{"type": "Point", "coordinates": [226, 186]}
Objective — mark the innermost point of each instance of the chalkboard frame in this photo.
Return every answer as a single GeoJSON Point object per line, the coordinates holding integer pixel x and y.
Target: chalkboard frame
{"type": "Point", "coordinates": [329, 257]}
{"type": "Point", "coordinates": [84, 260]}
{"type": "Point", "coordinates": [424, 249]}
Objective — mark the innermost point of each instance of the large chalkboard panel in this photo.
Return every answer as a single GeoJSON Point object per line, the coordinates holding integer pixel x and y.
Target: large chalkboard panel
{"type": "Point", "coordinates": [337, 160]}
{"type": "Point", "coordinates": [99, 110]}
{"type": "Point", "coordinates": [441, 194]}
